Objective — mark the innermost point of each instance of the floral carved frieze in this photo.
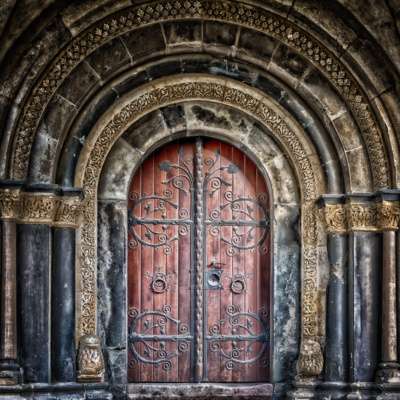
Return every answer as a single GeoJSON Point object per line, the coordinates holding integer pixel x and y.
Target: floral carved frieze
{"type": "Point", "coordinates": [224, 11]}
{"type": "Point", "coordinates": [10, 204]}
{"type": "Point", "coordinates": [38, 208]}
{"type": "Point", "coordinates": [367, 217]}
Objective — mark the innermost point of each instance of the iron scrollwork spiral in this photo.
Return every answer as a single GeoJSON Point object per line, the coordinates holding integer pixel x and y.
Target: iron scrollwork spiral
{"type": "Point", "coordinates": [242, 337]}
{"type": "Point", "coordinates": [154, 220]}
{"type": "Point", "coordinates": [154, 338]}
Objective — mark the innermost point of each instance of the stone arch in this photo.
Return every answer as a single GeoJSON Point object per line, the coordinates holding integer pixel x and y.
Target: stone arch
{"type": "Point", "coordinates": [248, 17]}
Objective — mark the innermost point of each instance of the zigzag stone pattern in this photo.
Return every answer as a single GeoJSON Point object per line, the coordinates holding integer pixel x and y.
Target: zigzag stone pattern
{"type": "Point", "coordinates": [241, 14]}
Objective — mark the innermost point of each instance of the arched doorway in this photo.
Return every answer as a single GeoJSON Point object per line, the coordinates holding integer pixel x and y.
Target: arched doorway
{"type": "Point", "coordinates": [198, 266]}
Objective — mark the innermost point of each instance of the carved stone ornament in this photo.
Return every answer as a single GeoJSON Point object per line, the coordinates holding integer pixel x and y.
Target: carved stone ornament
{"type": "Point", "coordinates": [10, 204]}
{"type": "Point", "coordinates": [335, 218]}
{"type": "Point", "coordinates": [310, 361]}
{"type": "Point", "coordinates": [362, 217]}
{"type": "Point", "coordinates": [90, 360]}
{"type": "Point", "coordinates": [389, 215]}
{"type": "Point", "coordinates": [38, 208]}
{"type": "Point", "coordinates": [67, 213]}
{"type": "Point", "coordinates": [241, 14]}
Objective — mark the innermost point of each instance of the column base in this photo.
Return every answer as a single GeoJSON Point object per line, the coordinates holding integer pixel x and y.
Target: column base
{"type": "Point", "coordinates": [335, 390]}
{"type": "Point", "coordinates": [388, 373]}
{"type": "Point", "coordinates": [305, 389]}
{"type": "Point", "coordinates": [10, 373]}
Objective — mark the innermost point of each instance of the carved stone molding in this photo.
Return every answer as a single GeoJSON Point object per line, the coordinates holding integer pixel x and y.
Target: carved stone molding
{"type": "Point", "coordinates": [310, 361]}
{"type": "Point", "coordinates": [90, 360]}
{"type": "Point", "coordinates": [362, 217]}
{"type": "Point", "coordinates": [159, 94]}
{"type": "Point", "coordinates": [224, 11]}
{"type": "Point", "coordinates": [39, 208]}
{"type": "Point", "coordinates": [335, 218]}
{"type": "Point", "coordinates": [10, 204]}
{"type": "Point", "coordinates": [388, 215]}
{"type": "Point", "coordinates": [68, 211]}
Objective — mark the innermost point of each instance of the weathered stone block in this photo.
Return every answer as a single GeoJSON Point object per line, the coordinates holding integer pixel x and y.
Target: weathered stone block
{"type": "Point", "coordinates": [144, 41]}
{"type": "Point", "coordinates": [78, 83]}
{"type": "Point", "coordinates": [183, 32]}
{"type": "Point", "coordinates": [147, 131]}
{"type": "Point", "coordinates": [108, 57]}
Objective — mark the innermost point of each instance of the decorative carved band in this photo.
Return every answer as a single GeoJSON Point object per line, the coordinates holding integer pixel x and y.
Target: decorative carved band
{"type": "Point", "coordinates": [68, 210]}
{"type": "Point", "coordinates": [10, 204]}
{"type": "Point", "coordinates": [335, 218]}
{"type": "Point", "coordinates": [39, 208]}
{"type": "Point", "coordinates": [225, 11]}
{"type": "Point", "coordinates": [361, 217]}
{"type": "Point", "coordinates": [389, 215]}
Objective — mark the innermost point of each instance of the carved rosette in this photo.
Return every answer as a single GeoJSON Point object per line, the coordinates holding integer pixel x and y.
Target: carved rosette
{"type": "Point", "coordinates": [335, 218]}
{"type": "Point", "coordinates": [10, 204]}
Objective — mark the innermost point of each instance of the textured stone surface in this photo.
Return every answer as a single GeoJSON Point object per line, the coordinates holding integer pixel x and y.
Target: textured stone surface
{"type": "Point", "coordinates": [77, 84]}
{"type": "Point", "coordinates": [112, 231]}
{"type": "Point", "coordinates": [200, 391]}
{"type": "Point", "coordinates": [117, 171]}
{"type": "Point", "coordinates": [146, 132]}
{"type": "Point", "coordinates": [108, 57]}
{"type": "Point", "coordinates": [286, 289]}
{"type": "Point", "coordinates": [33, 262]}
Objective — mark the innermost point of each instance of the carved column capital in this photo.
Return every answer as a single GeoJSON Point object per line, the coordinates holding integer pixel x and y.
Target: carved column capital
{"type": "Point", "coordinates": [388, 215]}
{"type": "Point", "coordinates": [68, 207]}
{"type": "Point", "coordinates": [38, 208]}
{"type": "Point", "coordinates": [362, 217]}
{"type": "Point", "coordinates": [333, 213]}
{"type": "Point", "coordinates": [335, 218]}
{"type": "Point", "coordinates": [10, 204]}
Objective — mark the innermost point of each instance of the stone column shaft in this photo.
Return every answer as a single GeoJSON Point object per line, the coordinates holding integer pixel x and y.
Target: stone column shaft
{"type": "Point", "coordinates": [336, 330]}
{"type": "Point", "coordinates": [8, 314]}
{"type": "Point", "coordinates": [389, 313]}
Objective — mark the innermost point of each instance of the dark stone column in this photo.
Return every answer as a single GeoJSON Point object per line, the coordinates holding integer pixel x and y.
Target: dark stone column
{"type": "Point", "coordinates": [9, 207]}
{"type": "Point", "coordinates": [63, 305]}
{"type": "Point", "coordinates": [388, 217]}
{"type": "Point", "coordinates": [336, 356]}
{"type": "Point", "coordinates": [34, 301]}
{"type": "Point", "coordinates": [63, 287]}
{"type": "Point", "coordinates": [34, 262]}
{"type": "Point", "coordinates": [364, 276]}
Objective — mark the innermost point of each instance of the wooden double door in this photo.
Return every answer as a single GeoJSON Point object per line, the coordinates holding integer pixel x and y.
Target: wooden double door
{"type": "Point", "coordinates": [198, 266]}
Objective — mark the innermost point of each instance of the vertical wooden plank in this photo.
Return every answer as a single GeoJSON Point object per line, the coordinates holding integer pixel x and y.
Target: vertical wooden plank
{"type": "Point", "coordinates": [251, 265]}
{"type": "Point", "coordinates": [238, 258]}
{"type": "Point", "coordinates": [213, 251]}
{"type": "Point", "coordinates": [264, 266]}
{"type": "Point", "coordinates": [185, 247]}
{"type": "Point", "coordinates": [171, 262]}
{"type": "Point", "coordinates": [159, 264]}
{"type": "Point", "coordinates": [226, 232]}
{"type": "Point", "coordinates": [134, 274]}
{"type": "Point", "coordinates": [147, 261]}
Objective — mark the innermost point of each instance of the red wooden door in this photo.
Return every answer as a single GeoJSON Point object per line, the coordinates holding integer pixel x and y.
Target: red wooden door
{"type": "Point", "coordinates": [198, 266]}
